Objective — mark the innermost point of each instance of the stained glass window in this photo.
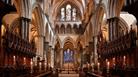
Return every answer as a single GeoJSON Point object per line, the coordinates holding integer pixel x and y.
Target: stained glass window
{"type": "Point", "coordinates": [68, 56]}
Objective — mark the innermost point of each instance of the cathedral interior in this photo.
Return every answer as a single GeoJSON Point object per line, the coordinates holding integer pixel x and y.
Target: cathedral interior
{"type": "Point", "coordinates": [68, 38]}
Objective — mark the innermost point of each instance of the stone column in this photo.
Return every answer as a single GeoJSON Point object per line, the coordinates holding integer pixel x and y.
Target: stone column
{"type": "Point", "coordinates": [76, 58]}
{"type": "Point", "coordinates": [52, 57]}
{"type": "Point", "coordinates": [113, 28]}
{"type": "Point", "coordinates": [46, 51]}
{"type": "Point", "coordinates": [24, 28]}
{"type": "Point", "coordinates": [61, 58]}
{"type": "Point", "coordinates": [91, 51]}
{"type": "Point", "coordinates": [40, 46]}
{"type": "Point", "coordinates": [95, 55]}
{"type": "Point", "coordinates": [86, 55]}
{"type": "Point", "coordinates": [81, 53]}
{"type": "Point", "coordinates": [49, 56]}
{"type": "Point", "coordinates": [55, 58]}
{"type": "Point", "coordinates": [83, 57]}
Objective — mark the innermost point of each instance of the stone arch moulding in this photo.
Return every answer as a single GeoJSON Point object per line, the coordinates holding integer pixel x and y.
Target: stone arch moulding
{"type": "Point", "coordinates": [99, 18]}
{"type": "Point", "coordinates": [68, 39]}
{"type": "Point", "coordinates": [57, 29]}
{"type": "Point", "coordinates": [38, 12]}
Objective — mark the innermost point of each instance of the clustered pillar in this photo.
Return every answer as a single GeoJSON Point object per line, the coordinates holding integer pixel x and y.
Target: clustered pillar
{"type": "Point", "coordinates": [24, 28]}
{"type": "Point", "coordinates": [95, 55]}
{"type": "Point", "coordinates": [41, 46]}
{"type": "Point", "coordinates": [90, 50]}
{"type": "Point", "coordinates": [46, 51]}
{"type": "Point", "coordinates": [52, 57]}
{"type": "Point", "coordinates": [113, 28]}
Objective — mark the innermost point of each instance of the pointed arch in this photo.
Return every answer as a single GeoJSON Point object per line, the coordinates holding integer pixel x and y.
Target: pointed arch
{"type": "Point", "coordinates": [75, 29]}
{"type": "Point", "coordinates": [81, 29]}
{"type": "Point", "coordinates": [37, 18]}
{"type": "Point", "coordinates": [68, 39]}
{"type": "Point", "coordinates": [99, 18]}
{"type": "Point", "coordinates": [62, 29]}
{"type": "Point", "coordinates": [68, 29]}
{"type": "Point", "coordinates": [57, 29]}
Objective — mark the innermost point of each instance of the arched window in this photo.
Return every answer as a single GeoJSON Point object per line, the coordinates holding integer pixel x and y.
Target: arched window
{"type": "Point", "coordinates": [74, 14]}
{"type": "Point", "coordinates": [68, 56]}
{"type": "Point", "coordinates": [62, 14]}
{"type": "Point", "coordinates": [68, 12]}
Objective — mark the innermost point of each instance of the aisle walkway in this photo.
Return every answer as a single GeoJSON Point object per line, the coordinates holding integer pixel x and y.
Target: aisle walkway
{"type": "Point", "coordinates": [68, 74]}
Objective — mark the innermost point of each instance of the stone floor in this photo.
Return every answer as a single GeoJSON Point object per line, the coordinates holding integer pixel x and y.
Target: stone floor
{"type": "Point", "coordinates": [68, 75]}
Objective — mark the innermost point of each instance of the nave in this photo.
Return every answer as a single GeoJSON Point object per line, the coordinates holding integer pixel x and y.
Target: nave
{"type": "Point", "coordinates": [68, 38]}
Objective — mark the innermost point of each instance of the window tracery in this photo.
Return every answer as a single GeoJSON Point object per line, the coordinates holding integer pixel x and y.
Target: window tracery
{"type": "Point", "coordinates": [68, 13]}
